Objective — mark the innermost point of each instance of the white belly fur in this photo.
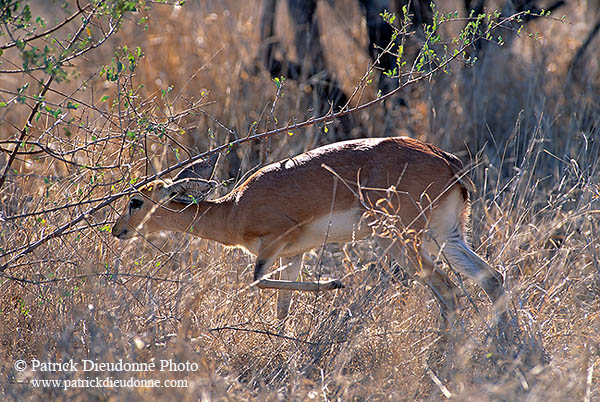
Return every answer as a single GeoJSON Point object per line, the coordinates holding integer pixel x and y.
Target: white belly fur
{"type": "Point", "coordinates": [339, 227]}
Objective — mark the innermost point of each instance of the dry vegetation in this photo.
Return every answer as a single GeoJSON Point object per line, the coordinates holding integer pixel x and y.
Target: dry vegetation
{"type": "Point", "coordinates": [528, 127]}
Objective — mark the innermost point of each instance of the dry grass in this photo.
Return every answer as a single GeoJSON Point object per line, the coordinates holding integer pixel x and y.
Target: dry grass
{"type": "Point", "coordinates": [530, 131]}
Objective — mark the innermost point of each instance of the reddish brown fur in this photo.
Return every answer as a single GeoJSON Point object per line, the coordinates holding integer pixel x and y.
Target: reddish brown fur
{"type": "Point", "coordinates": [274, 191]}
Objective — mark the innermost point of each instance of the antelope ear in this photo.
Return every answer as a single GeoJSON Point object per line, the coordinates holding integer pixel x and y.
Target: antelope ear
{"type": "Point", "coordinates": [188, 190]}
{"type": "Point", "coordinates": [203, 169]}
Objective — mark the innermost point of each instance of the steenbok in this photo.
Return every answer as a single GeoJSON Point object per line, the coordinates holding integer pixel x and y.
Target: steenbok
{"type": "Point", "coordinates": [329, 194]}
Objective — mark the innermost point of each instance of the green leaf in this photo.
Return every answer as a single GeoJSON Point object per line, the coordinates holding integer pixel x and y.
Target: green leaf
{"type": "Point", "coordinates": [41, 22]}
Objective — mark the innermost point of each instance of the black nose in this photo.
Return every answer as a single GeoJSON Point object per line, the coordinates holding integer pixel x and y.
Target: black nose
{"type": "Point", "coordinates": [123, 233]}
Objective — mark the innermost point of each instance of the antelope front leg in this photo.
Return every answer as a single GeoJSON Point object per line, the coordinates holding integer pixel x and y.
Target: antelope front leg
{"type": "Point", "coordinates": [267, 256]}
{"type": "Point", "coordinates": [290, 269]}
{"type": "Point", "coordinates": [300, 286]}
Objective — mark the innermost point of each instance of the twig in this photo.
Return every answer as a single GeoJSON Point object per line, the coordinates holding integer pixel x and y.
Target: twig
{"type": "Point", "coordinates": [34, 110]}
{"type": "Point", "coordinates": [588, 383]}
{"type": "Point", "coordinates": [75, 55]}
{"type": "Point", "coordinates": [85, 276]}
{"type": "Point", "coordinates": [447, 394]}
{"type": "Point", "coordinates": [268, 333]}
{"type": "Point", "coordinates": [46, 32]}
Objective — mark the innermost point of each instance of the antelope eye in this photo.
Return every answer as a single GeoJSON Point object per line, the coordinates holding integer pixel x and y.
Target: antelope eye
{"type": "Point", "coordinates": [135, 203]}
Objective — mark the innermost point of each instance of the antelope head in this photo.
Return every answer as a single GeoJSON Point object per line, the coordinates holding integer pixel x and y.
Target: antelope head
{"type": "Point", "coordinates": [148, 210]}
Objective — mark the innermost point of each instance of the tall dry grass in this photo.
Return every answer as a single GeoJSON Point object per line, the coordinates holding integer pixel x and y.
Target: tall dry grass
{"type": "Point", "coordinates": [528, 128]}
